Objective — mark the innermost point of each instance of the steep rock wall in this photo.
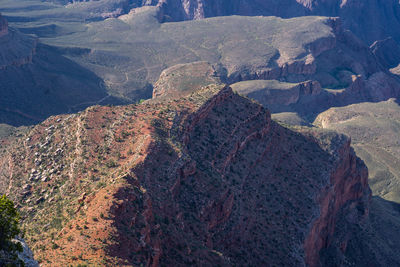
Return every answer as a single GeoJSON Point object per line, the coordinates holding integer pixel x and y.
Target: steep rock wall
{"type": "Point", "coordinates": [348, 189]}
{"type": "Point", "coordinates": [205, 179]}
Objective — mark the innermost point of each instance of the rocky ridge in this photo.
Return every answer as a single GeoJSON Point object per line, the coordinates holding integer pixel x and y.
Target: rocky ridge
{"type": "Point", "coordinates": [115, 180]}
{"type": "Point", "coordinates": [236, 48]}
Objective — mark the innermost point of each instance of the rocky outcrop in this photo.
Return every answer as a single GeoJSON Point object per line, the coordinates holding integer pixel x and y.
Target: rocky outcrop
{"type": "Point", "coordinates": [184, 79]}
{"type": "Point", "coordinates": [372, 127]}
{"type": "Point", "coordinates": [238, 49]}
{"type": "Point", "coordinates": [17, 258]}
{"type": "Point", "coordinates": [336, 59]}
{"type": "Point", "coordinates": [208, 179]}
{"type": "Point", "coordinates": [277, 95]}
{"type": "Point", "coordinates": [370, 20]}
{"type": "Point", "coordinates": [26, 255]}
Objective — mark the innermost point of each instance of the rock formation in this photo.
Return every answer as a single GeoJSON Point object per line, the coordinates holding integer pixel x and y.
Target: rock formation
{"type": "Point", "coordinates": [26, 255]}
{"type": "Point", "coordinates": [183, 79]}
{"type": "Point", "coordinates": [370, 20]}
{"type": "Point", "coordinates": [275, 95]}
{"type": "Point", "coordinates": [204, 179]}
{"type": "Point", "coordinates": [373, 128]}
{"type": "Point", "coordinates": [236, 48]}
{"type": "Point", "coordinates": [294, 78]}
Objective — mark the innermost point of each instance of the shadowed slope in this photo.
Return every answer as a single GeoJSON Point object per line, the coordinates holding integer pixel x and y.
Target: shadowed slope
{"type": "Point", "coordinates": [36, 81]}
{"type": "Point", "coordinates": [204, 179]}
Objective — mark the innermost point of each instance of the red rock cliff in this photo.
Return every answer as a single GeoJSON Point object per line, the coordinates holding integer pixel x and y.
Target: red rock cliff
{"type": "Point", "coordinates": [348, 188]}
{"type": "Point", "coordinates": [206, 179]}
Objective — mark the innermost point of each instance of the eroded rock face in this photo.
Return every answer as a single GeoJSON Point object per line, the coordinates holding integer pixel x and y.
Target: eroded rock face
{"type": "Point", "coordinates": [37, 81]}
{"type": "Point", "coordinates": [15, 49]}
{"type": "Point", "coordinates": [348, 192]}
{"type": "Point", "coordinates": [387, 51]}
{"type": "Point", "coordinates": [205, 179]}
{"type": "Point", "coordinates": [370, 20]}
{"type": "Point", "coordinates": [336, 60]}
{"type": "Point", "coordinates": [275, 95]}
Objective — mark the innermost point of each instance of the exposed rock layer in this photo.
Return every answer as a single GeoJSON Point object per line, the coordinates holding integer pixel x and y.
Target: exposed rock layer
{"type": "Point", "coordinates": [370, 20]}
{"type": "Point", "coordinates": [205, 179]}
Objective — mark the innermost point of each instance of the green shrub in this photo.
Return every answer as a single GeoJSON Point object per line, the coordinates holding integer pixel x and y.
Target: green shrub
{"type": "Point", "coordinates": [9, 228]}
{"type": "Point", "coordinates": [9, 222]}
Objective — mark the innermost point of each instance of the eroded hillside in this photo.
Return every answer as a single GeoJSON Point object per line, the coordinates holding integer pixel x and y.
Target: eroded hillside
{"type": "Point", "coordinates": [127, 56]}
{"type": "Point", "coordinates": [207, 178]}
{"type": "Point", "coordinates": [370, 20]}
{"type": "Point", "coordinates": [37, 82]}
{"type": "Point", "coordinates": [374, 130]}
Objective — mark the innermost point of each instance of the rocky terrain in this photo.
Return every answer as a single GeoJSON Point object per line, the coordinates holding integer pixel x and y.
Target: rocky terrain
{"type": "Point", "coordinates": [370, 20]}
{"type": "Point", "coordinates": [235, 50]}
{"type": "Point", "coordinates": [305, 79]}
{"type": "Point", "coordinates": [36, 81]}
{"type": "Point", "coordinates": [129, 55]}
{"type": "Point", "coordinates": [208, 178]}
{"type": "Point", "coordinates": [185, 78]}
{"type": "Point", "coordinates": [275, 95]}
{"type": "Point", "coordinates": [374, 130]}
{"type": "Point", "coordinates": [200, 173]}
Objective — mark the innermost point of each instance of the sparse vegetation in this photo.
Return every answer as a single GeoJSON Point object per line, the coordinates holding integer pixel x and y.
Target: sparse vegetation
{"type": "Point", "coordinates": [9, 229]}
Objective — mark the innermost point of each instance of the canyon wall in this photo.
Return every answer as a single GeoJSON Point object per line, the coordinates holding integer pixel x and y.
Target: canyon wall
{"type": "Point", "coordinates": [370, 20]}
{"type": "Point", "coordinates": [16, 49]}
{"type": "Point", "coordinates": [208, 179]}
